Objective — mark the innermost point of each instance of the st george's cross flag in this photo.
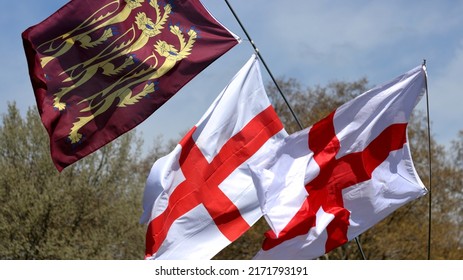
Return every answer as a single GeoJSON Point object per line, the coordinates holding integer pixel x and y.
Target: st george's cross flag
{"type": "Point", "coordinates": [100, 68]}
{"type": "Point", "coordinates": [326, 184]}
{"type": "Point", "coordinates": [201, 197]}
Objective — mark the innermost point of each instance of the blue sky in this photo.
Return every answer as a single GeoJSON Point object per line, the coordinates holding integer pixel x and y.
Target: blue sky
{"type": "Point", "coordinates": [315, 42]}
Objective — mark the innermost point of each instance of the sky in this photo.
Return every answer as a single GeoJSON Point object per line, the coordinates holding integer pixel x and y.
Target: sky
{"type": "Point", "coordinates": [315, 42]}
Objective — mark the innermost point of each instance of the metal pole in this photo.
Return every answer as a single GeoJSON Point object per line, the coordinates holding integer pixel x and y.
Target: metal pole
{"type": "Point", "coordinates": [265, 64]}
{"type": "Point", "coordinates": [360, 248]}
{"type": "Point", "coordinates": [429, 161]}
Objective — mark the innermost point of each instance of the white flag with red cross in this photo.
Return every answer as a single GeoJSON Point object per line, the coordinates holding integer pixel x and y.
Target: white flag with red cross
{"type": "Point", "coordinates": [201, 197]}
{"type": "Point", "coordinates": [325, 185]}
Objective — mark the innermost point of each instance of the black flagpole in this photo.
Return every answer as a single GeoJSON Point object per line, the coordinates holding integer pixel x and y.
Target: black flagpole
{"type": "Point", "coordinates": [429, 161]}
{"type": "Point", "coordinates": [279, 89]}
{"type": "Point", "coordinates": [265, 64]}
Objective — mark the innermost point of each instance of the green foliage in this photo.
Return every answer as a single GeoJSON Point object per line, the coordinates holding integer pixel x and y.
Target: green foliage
{"type": "Point", "coordinates": [404, 234]}
{"type": "Point", "coordinates": [89, 211]}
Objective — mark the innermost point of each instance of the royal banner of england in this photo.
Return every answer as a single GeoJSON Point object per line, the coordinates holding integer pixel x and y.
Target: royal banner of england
{"type": "Point", "coordinates": [100, 68]}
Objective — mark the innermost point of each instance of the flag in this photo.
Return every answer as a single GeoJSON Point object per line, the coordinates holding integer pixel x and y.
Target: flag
{"type": "Point", "coordinates": [201, 197]}
{"type": "Point", "coordinates": [326, 184]}
{"type": "Point", "coordinates": [100, 68]}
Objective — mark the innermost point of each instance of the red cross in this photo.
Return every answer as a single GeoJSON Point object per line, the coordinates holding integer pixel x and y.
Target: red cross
{"type": "Point", "coordinates": [202, 179]}
{"type": "Point", "coordinates": [335, 175]}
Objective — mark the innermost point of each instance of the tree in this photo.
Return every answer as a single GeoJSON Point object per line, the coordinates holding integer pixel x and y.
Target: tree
{"type": "Point", "coordinates": [89, 211]}
{"type": "Point", "coordinates": [404, 234]}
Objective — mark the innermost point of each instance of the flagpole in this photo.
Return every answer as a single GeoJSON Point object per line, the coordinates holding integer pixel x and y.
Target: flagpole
{"type": "Point", "coordinates": [360, 248]}
{"type": "Point", "coordinates": [278, 88]}
{"type": "Point", "coordinates": [429, 161]}
{"type": "Point", "coordinates": [265, 64]}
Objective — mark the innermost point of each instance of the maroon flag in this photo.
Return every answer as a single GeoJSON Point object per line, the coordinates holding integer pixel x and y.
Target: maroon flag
{"type": "Point", "coordinates": [99, 68]}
